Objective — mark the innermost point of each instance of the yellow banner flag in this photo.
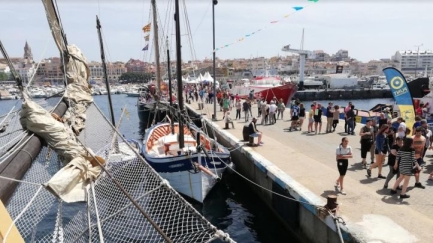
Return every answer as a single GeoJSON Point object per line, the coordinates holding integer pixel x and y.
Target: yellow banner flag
{"type": "Point", "coordinates": [146, 28]}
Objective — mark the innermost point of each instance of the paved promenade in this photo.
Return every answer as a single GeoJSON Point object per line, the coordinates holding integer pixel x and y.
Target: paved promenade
{"type": "Point", "coordinates": [368, 209]}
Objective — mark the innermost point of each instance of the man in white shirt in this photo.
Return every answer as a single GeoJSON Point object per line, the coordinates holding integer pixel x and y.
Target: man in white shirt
{"type": "Point", "coordinates": [401, 131]}
{"type": "Point", "coordinates": [272, 111]}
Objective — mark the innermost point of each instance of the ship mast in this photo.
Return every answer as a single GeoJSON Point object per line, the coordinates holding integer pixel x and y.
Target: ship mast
{"type": "Point", "coordinates": [179, 73]}
{"type": "Point", "coordinates": [156, 42]}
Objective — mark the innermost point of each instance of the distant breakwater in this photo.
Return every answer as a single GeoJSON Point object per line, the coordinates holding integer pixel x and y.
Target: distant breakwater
{"type": "Point", "coordinates": [309, 95]}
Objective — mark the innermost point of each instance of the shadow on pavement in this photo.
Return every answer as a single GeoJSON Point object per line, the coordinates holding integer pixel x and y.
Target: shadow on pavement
{"type": "Point", "coordinates": [395, 200]}
{"type": "Point", "coordinates": [326, 193]}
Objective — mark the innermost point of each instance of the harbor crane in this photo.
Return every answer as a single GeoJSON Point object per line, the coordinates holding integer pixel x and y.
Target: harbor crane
{"type": "Point", "coordinates": [303, 54]}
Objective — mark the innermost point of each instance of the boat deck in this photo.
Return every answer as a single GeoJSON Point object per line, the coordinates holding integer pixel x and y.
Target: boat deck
{"type": "Point", "coordinates": [368, 209]}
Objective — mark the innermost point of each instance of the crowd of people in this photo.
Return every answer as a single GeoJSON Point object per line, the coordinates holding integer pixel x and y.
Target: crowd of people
{"type": "Point", "coordinates": [404, 147]}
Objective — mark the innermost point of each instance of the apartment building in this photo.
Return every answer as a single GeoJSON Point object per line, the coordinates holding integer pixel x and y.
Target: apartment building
{"type": "Point", "coordinates": [114, 71]}
{"type": "Point", "coordinates": [410, 62]}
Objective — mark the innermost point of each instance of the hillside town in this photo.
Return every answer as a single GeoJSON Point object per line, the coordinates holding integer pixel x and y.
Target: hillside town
{"type": "Point", "coordinates": [48, 71]}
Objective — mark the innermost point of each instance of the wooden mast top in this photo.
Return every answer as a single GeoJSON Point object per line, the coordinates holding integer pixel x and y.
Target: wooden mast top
{"type": "Point", "coordinates": [156, 42]}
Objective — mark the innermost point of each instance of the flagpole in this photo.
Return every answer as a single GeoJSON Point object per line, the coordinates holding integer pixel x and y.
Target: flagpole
{"type": "Point", "coordinates": [214, 2]}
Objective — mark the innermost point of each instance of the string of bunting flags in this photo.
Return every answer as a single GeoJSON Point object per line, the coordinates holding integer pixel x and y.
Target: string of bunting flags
{"type": "Point", "coordinates": [146, 30]}
{"type": "Point", "coordinates": [296, 9]}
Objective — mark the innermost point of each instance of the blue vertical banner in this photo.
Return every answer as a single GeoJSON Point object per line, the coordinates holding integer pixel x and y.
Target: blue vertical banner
{"type": "Point", "coordinates": [401, 93]}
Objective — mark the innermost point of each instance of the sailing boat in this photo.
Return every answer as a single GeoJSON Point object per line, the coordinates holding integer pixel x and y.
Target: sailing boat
{"type": "Point", "coordinates": [152, 102]}
{"type": "Point", "coordinates": [124, 201]}
{"type": "Point", "coordinates": [191, 161]}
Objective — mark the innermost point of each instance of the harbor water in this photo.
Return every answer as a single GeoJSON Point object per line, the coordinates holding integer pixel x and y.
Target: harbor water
{"type": "Point", "coordinates": [231, 206]}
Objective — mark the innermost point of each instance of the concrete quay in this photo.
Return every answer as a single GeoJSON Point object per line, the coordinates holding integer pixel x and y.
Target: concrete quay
{"type": "Point", "coordinates": [302, 166]}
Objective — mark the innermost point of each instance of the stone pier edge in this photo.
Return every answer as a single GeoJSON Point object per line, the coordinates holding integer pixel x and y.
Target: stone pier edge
{"type": "Point", "coordinates": [295, 189]}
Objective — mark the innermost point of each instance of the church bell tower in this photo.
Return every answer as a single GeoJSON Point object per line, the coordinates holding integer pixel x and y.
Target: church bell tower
{"type": "Point", "coordinates": [28, 52]}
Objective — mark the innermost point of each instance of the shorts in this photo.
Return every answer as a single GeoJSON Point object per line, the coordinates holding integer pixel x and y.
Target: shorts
{"type": "Point", "coordinates": [384, 151]}
{"type": "Point", "coordinates": [342, 165]}
{"type": "Point", "coordinates": [295, 118]}
{"type": "Point", "coordinates": [301, 118]}
{"type": "Point", "coordinates": [310, 120]}
{"type": "Point", "coordinates": [318, 119]}
{"type": "Point", "coordinates": [225, 109]}
{"type": "Point", "coordinates": [335, 122]}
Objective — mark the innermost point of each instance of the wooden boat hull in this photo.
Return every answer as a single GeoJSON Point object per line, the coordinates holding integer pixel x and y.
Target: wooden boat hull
{"type": "Point", "coordinates": [285, 92]}
{"type": "Point", "coordinates": [190, 173]}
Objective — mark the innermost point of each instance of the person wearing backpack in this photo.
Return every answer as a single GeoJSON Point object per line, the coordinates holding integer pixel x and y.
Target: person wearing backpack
{"type": "Point", "coordinates": [295, 117]}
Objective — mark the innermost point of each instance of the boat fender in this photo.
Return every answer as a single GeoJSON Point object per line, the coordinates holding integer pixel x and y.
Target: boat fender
{"type": "Point", "coordinates": [207, 171]}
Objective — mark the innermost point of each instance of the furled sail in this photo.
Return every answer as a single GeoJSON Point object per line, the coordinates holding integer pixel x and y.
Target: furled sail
{"type": "Point", "coordinates": [78, 95]}
{"type": "Point", "coordinates": [70, 182]}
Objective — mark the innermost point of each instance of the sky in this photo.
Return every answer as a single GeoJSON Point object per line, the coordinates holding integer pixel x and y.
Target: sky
{"type": "Point", "coordinates": [369, 29]}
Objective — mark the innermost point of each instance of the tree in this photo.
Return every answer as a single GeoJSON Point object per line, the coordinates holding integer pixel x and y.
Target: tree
{"type": "Point", "coordinates": [130, 77]}
{"type": "Point", "coordinates": [4, 76]}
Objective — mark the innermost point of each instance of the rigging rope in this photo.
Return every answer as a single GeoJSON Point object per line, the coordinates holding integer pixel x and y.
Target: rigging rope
{"type": "Point", "coordinates": [19, 215]}
{"type": "Point", "coordinates": [37, 67]}
{"type": "Point", "coordinates": [263, 188]}
{"type": "Point", "coordinates": [122, 189]}
{"type": "Point", "coordinates": [204, 15]}
{"type": "Point", "coordinates": [11, 151]}
{"type": "Point", "coordinates": [20, 181]}
{"type": "Point", "coordinates": [101, 236]}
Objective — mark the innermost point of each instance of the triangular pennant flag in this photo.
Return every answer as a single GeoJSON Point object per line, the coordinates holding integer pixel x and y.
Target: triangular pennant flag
{"type": "Point", "coordinates": [298, 8]}
{"type": "Point", "coordinates": [146, 48]}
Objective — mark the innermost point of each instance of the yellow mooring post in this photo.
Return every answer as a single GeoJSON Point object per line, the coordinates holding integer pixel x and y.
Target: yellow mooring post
{"type": "Point", "coordinates": [5, 222]}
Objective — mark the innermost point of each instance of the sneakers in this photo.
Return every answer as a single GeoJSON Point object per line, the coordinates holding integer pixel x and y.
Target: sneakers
{"type": "Point", "coordinates": [381, 177]}
{"type": "Point", "coordinates": [419, 185]}
{"type": "Point", "coordinates": [404, 196]}
{"type": "Point", "coordinates": [393, 192]}
{"type": "Point", "coordinates": [368, 172]}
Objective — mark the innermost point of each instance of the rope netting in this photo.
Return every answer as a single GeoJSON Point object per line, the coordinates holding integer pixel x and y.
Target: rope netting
{"type": "Point", "coordinates": [107, 215]}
